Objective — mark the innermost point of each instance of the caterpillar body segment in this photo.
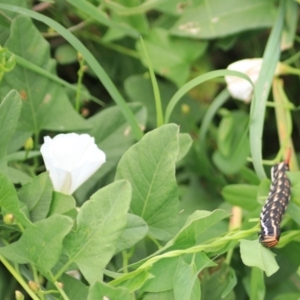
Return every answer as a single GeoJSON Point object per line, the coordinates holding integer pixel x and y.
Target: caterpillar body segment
{"type": "Point", "coordinates": [275, 206]}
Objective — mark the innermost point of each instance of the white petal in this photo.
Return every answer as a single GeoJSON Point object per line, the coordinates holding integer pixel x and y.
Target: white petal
{"type": "Point", "coordinates": [240, 88]}
{"type": "Point", "coordinates": [71, 159]}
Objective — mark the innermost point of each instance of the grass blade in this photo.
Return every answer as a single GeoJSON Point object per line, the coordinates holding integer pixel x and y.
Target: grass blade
{"type": "Point", "coordinates": [89, 58]}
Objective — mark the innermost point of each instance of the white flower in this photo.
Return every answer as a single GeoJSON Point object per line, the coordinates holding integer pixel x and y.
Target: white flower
{"type": "Point", "coordinates": [71, 159]}
{"type": "Point", "coordinates": [240, 88]}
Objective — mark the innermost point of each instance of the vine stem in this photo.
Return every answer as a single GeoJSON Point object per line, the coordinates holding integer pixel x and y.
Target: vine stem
{"type": "Point", "coordinates": [61, 271]}
{"type": "Point", "coordinates": [19, 278]}
{"type": "Point", "coordinates": [63, 294]}
{"type": "Point", "coordinates": [79, 82]}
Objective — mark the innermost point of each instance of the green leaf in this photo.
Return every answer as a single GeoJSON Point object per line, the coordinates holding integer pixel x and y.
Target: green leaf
{"type": "Point", "coordinates": [294, 178]}
{"type": "Point", "coordinates": [41, 245]}
{"type": "Point", "coordinates": [5, 19]}
{"type": "Point", "coordinates": [290, 25]}
{"type": "Point", "coordinates": [289, 236]}
{"type": "Point", "coordinates": [132, 281]}
{"type": "Point", "coordinates": [232, 281]}
{"type": "Point", "coordinates": [174, 7]}
{"type": "Point", "coordinates": [217, 283]}
{"type": "Point", "coordinates": [196, 224]}
{"type": "Point", "coordinates": [17, 176]}
{"type": "Point", "coordinates": [10, 109]}
{"type": "Point", "coordinates": [63, 204]}
{"type": "Point", "coordinates": [135, 230]}
{"type": "Point", "coordinates": [22, 155]}
{"type": "Point", "coordinates": [150, 167]}
{"type": "Point", "coordinates": [37, 195]}
{"type": "Point", "coordinates": [253, 254]}
{"type": "Point", "coordinates": [113, 135]}
{"type": "Point", "coordinates": [262, 89]}
{"type": "Point", "coordinates": [101, 17]}
{"type": "Point", "coordinates": [197, 228]}
{"type": "Point", "coordinates": [168, 295]}
{"type": "Point", "coordinates": [10, 203]}
{"type": "Point", "coordinates": [137, 85]}
{"type": "Point", "coordinates": [163, 271]}
{"type": "Point", "coordinates": [233, 142]}
{"type": "Point", "coordinates": [243, 195]}
{"type": "Point", "coordinates": [257, 284]}
{"type": "Point", "coordinates": [72, 287]}
{"type": "Point", "coordinates": [171, 57]}
{"type": "Point", "coordinates": [288, 296]}
{"type": "Point", "coordinates": [185, 143]}
{"type": "Point", "coordinates": [212, 19]}
{"type": "Point", "coordinates": [137, 21]}
{"type": "Point", "coordinates": [45, 104]}
{"type": "Point", "coordinates": [263, 191]}
{"type": "Point", "coordinates": [294, 211]}
{"type": "Point", "coordinates": [186, 276]}
{"type": "Point", "coordinates": [100, 223]}
{"type": "Point", "coordinates": [65, 54]}
{"type": "Point", "coordinates": [101, 290]}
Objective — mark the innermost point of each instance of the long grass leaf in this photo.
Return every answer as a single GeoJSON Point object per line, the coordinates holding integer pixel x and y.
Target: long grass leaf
{"type": "Point", "coordinates": [157, 98]}
{"type": "Point", "coordinates": [89, 58]}
{"type": "Point", "coordinates": [196, 81]}
{"type": "Point", "coordinates": [99, 16]}
{"type": "Point", "coordinates": [261, 93]}
{"type": "Point", "coordinates": [29, 65]}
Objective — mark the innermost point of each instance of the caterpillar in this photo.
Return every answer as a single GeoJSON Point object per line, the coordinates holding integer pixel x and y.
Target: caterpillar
{"type": "Point", "coordinates": [276, 204]}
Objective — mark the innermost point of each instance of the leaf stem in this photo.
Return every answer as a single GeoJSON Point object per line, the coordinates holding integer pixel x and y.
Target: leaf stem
{"type": "Point", "coordinates": [79, 82]}
{"type": "Point", "coordinates": [61, 291]}
{"type": "Point", "coordinates": [19, 278]}
{"type": "Point", "coordinates": [61, 271]}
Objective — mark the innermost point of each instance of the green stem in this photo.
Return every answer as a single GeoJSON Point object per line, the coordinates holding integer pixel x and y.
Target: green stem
{"type": "Point", "coordinates": [229, 256]}
{"type": "Point", "coordinates": [34, 68]}
{"type": "Point", "coordinates": [125, 261]}
{"type": "Point", "coordinates": [79, 83]}
{"type": "Point", "coordinates": [61, 271]}
{"type": "Point", "coordinates": [159, 246]}
{"type": "Point", "coordinates": [18, 277]}
{"type": "Point", "coordinates": [157, 98]}
{"type": "Point", "coordinates": [126, 256]}
{"type": "Point", "coordinates": [61, 291]}
{"type": "Point", "coordinates": [36, 279]}
{"type": "Point", "coordinates": [20, 226]}
{"type": "Point", "coordinates": [216, 242]}
{"type": "Point", "coordinates": [115, 47]}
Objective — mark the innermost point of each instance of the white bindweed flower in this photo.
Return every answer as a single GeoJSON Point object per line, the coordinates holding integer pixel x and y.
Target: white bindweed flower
{"type": "Point", "coordinates": [240, 88]}
{"type": "Point", "coordinates": [71, 159]}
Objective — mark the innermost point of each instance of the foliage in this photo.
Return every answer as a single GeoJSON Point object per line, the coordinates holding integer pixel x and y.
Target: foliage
{"type": "Point", "coordinates": [174, 212]}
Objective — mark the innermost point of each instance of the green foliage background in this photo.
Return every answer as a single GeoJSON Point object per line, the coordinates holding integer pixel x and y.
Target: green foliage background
{"type": "Point", "coordinates": [174, 212]}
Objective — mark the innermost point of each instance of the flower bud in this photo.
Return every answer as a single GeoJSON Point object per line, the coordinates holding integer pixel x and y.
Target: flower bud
{"type": "Point", "coordinates": [19, 295]}
{"type": "Point", "coordinates": [34, 286]}
{"type": "Point", "coordinates": [28, 144]}
{"type": "Point", "coordinates": [60, 284]}
{"type": "Point", "coordinates": [8, 219]}
{"type": "Point", "coordinates": [185, 108]}
{"type": "Point", "coordinates": [79, 56]}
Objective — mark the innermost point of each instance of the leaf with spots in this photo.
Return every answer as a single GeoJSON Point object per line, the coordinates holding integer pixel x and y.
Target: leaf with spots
{"type": "Point", "coordinates": [9, 202]}
{"type": "Point", "coordinates": [218, 18]}
{"type": "Point", "coordinates": [41, 245]}
{"type": "Point", "coordinates": [45, 103]}
{"type": "Point", "coordinates": [10, 109]}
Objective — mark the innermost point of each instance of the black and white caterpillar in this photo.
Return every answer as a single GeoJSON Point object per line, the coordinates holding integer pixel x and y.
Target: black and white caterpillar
{"type": "Point", "coordinates": [276, 204]}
